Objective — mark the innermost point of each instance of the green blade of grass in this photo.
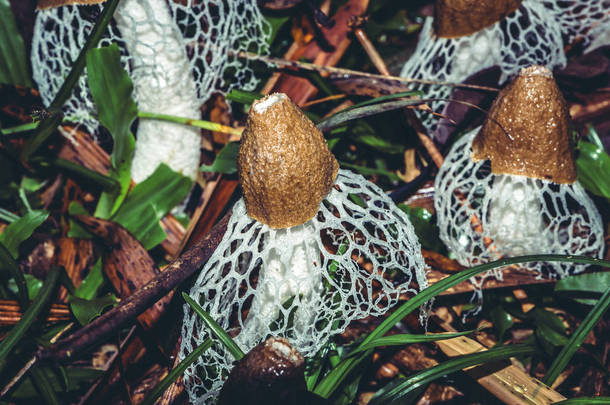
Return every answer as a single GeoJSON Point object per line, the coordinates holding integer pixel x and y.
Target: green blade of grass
{"type": "Point", "coordinates": [380, 99]}
{"type": "Point", "coordinates": [585, 401]}
{"type": "Point", "coordinates": [43, 386]}
{"type": "Point", "coordinates": [105, 182]}
{"type": "Point", "coordinates": [407, 338]}
{"type": "Point", "coordinates": [577, 338]}
{"type": "Point", "coordinates": [398, 391]}
{"type": "Point", "coordinates": [333, 379]}
{"type": "Point", "coordinates": [13, 59]}
{"type": "Point", "coordinates": [176, 372]}
{"type": "Point", "coordinates": [28, 318]}
{"type": "Point", "coordinates": [361, 112]}
{"type": "Point", "coordinates": [8, 263]}
{"type": "Point", "coordinates": [8, 216]}
{"type": "Point", "coordinates": [66, 88]}
{"type": "Point", "coordinates": [226, 340]}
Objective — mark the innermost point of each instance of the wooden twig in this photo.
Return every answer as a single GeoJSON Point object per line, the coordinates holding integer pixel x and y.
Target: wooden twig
{"type": "Point", "coordinates": [311, 67]}
{"type": "Point", "coordinates": [126, 312]}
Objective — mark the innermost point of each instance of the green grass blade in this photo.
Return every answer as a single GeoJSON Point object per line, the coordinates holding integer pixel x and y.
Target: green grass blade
{"type": "Point", "coordinates": [577, 338]}
{"type": "Point", "coordinates": [396, 391]}
{"type": "Point", "coordinates": [8, 216]}
{"type": "Point", "coordinates": [407, 338]}
{"type": "Point", "coordinates": [43, 386]}
{"type": "Point", "coordinates": [8, 263]}
{"type": "Point", "coordinates": [226, 340]}
{"type": "Point", "coordinates": [332, 381]}
{"type": "Point", "coordinates": [585, 401]}
{"type": "Point", "coordinates": [28, 318]}
{"type": "Point", "coordinates": [105, 182]}
{"type": "Point", "coordinates": [378, 100]}
{"type": "Point", "coordinates": [13, 65]}
{"type": "Point", "coordinates": [176, 372]}
{"type": "Point", "coordinates": [361, 112]}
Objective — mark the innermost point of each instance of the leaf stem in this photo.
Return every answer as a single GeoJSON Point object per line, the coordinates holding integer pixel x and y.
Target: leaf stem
{"type": "Point", "coordinates": [211, 126]}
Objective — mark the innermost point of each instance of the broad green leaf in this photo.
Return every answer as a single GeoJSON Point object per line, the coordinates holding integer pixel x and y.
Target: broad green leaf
{"type": "Point", "coordinates": [163, 189]}
{"type": "Point", "coordinates": [21, 229]}
{"type": "Point", "coordinates": [33, 285]}
{"type": "Point", "coordinates": [91, 285]}
{"type": "Point", "coordinates": [226, 160]}
{"type": "Point", "coordinates": [111, 89]}
{"type": "Point", "coordinates": [217, 331]}
{"type": "Point", "coordinates": [501, 320]}
{"type": "Point", "coordinates": [335, 377]}
{"type": "Point", "coordinates": [144, 227]}
{"type": "Point", "coordinates": [176, 372]}
{"type": "Point", "coordinates": [18, 331]}
{"type": "Point", "coordinates": [593, 167]}
{"type": "Point", "coordinates": [149, 201]}
{"type": "Point", "coordinates": [276, 24]}
{"type": "Point", "coordinates": [425, 227]}
{"type": "Point", "coordinates": [593, 284]}
{"type": "Point", "coordinates": [78, 378]}
{"type": "Point", "coordinates": [76, 230]}
{"type": "Point", "coordinates": [86, 310]}
{"type": "Point", "coordinates": [31, 184]}
{"type": "Point", "coordinates": [577, 338]}
{"type": "Point", "coordinates": [401, 391]}
{"type": "Point", "coordinates": [13, 65]}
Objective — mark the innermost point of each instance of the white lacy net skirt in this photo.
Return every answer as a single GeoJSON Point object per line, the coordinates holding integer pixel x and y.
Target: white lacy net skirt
{"type": "Point", "coordinates": [305, 283]}
{"type": "Point", "coordinates": [532, 35]}
{"type": "Point", "coordinates": [485, 217]}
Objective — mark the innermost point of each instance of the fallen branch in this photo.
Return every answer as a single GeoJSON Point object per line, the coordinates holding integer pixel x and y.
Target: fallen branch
{"type": "Point", "coordinates": [126, 312]}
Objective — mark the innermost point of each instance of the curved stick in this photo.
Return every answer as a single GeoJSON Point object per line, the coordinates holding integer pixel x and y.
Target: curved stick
{"type": "Point", "coordinates": [126, 312]}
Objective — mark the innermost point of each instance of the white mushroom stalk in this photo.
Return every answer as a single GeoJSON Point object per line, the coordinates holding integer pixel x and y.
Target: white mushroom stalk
{"type": "Point", "coordinates": [496, 197]}
{"type": "Point", "coordinates": [176, 54]}
{"type": "Point", "coordinates": [353, 256]}
{"type": "Point", "coordinates": [511, 34]}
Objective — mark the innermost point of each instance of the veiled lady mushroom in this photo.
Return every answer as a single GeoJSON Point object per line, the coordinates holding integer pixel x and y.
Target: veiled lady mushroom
{"type": "Point", "coordinates": [509, 188]}
{"type": "Point", "coordinates": [308, 249]}
{"type": "Point", "coordinates": [176, 53]}
{"type": "Point", "coordinates": [467, 36]}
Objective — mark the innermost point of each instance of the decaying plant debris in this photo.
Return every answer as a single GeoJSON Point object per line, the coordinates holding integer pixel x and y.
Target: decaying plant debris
{"type": "Point", "coordinates": [98, 255]}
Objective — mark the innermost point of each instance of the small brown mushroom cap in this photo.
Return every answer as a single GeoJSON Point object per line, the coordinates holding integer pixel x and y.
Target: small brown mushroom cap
{"type": "Point", "coordinates": [532, 111]}
{"type": "Point", "coordinates": [457, 18]}
{"type": "Point", "coordinates": [273, 372]}
{"type": "Point", "coordinates": [284, 164]}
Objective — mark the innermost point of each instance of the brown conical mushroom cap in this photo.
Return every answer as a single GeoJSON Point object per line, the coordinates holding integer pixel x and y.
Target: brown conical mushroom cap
{"type": "Point", "coordinates": [533, 112]}
{"type": "Point", "coordinates": [284, 164]}
{"type": "Point", "coordinates": [456, 18]}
